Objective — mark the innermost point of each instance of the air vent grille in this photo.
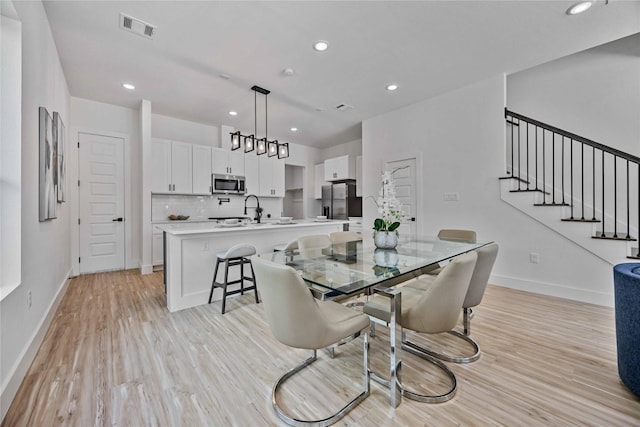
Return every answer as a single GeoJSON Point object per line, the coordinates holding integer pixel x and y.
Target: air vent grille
{"type": "Point", "coordinates": [137, 26]}
{"type": "Point", "coordinates": [344, 107]}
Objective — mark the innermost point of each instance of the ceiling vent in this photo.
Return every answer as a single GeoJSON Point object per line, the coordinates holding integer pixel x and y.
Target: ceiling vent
{"type": "Point", "coordinates": [344, 107]}
{"type": "Point", "coordinates": [137, 26]}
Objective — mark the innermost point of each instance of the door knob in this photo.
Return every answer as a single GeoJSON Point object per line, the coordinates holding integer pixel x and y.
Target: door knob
{"type": "Point", "coordinates": [117, 219]}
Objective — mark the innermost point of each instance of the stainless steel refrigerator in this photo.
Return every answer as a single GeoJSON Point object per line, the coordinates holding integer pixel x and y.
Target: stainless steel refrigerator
{"type": "Point", "coordinates": [339, 201]}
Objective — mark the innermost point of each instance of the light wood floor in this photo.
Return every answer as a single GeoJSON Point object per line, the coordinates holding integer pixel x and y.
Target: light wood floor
{"type": "Point", "coordinates": [114, 356]}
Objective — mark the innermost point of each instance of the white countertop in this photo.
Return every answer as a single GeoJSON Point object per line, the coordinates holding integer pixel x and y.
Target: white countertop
{"type": "Point", "coordinates": [196, 227]}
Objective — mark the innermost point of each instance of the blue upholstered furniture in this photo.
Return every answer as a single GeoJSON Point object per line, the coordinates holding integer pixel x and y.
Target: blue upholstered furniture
{"type": "Point", "coordinates": [626, 278]}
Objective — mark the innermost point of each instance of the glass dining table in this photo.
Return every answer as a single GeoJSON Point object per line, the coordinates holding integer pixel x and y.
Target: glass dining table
{"type": "Point", "coordinates": [352, 268]}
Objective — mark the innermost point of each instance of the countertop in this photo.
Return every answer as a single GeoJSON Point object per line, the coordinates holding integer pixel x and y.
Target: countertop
{"type": "Point", "coordinates": [195, 227]}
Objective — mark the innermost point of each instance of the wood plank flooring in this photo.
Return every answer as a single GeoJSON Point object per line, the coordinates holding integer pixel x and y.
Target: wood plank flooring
{"type": "Point", "coordinates": [114, 356]}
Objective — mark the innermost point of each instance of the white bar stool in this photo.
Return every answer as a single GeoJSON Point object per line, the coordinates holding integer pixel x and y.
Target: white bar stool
{"type": "Point", "coordinates": [234, 256]}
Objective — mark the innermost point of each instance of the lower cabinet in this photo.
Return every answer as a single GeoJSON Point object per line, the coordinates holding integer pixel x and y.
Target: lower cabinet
{"type": "Point", "coordinates": [158, 249]}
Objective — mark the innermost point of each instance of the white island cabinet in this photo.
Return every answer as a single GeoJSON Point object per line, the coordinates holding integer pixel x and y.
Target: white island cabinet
{"type": "Point", "coordinates": [191, 253]}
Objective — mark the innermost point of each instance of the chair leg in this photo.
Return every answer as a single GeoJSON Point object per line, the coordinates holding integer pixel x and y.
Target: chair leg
{"type": "Point", "coordinates": [338, 415]}
{"type": "Point", "coordinates": [224, 288]}
{"type": "Point", "coordinates": [466, 322]}
{"type": "Point", "coordinates": [420, 352]}
{"type": "Point", "coordinates": [455, 359]}
{"type": "Point", "coordinates": [213, 282]}
{"type": "Point", "coordinates": [242, 276]}
{"type": "Point", "coordinates": [255, 285]}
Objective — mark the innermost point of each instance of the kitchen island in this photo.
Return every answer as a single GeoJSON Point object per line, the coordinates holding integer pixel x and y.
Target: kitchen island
{"type": "Point", "coordinates": [191, 248]}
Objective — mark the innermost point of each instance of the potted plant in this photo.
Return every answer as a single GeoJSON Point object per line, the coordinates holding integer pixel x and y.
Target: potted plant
{"type": "Point", "coordinates": [385, 234]}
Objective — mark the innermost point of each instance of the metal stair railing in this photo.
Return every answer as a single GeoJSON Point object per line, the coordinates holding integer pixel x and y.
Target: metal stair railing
{"type": "Point", "coordinates": [538, 145]}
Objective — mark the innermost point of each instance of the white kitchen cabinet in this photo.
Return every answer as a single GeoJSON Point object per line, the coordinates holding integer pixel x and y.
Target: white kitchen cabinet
{"type": "Point", "coordinates": [340, 168]}
{"type": "Point", "coordinates": [158, 249]}
{"type": "Point", "coordinates": [319, 180]}
{"type": "Point", "coordinates": [252, 175]}
{"type": "Point", "coordinates": [172, 167]}
{"type": "Point", "coordinates": [271, 172]}
{"type": "Point", "coordinates": [359, 176]}
{"type": "Point", "coordinates": [227, 162]}
{"type": "Point", "coordinates": [264, 176]}
{"type": "Point", "coordinates": [201, 169]}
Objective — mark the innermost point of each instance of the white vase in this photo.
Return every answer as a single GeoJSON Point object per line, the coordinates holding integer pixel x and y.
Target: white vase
{"type": "Point", "coordinates": [385, 239]}
{"type": "Point", "coordinates": [386, 257]}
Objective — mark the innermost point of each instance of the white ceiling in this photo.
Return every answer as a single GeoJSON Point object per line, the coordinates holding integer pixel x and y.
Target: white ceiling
{"type": "Point", "coordinates": [426, 47]}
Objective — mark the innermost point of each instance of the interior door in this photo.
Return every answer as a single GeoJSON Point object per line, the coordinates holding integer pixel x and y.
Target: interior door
{"type": "Point", "coordinates": [101, 173]}
{"type": "Point", "coordinates": [406, 192]}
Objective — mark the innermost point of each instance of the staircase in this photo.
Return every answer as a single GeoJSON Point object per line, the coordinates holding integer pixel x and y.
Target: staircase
{"type": "Point", "coordinates": [586, 191]}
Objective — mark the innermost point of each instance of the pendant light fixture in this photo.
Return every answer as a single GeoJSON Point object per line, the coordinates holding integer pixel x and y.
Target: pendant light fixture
{"type": "Point", "coordinates": [261, 145]}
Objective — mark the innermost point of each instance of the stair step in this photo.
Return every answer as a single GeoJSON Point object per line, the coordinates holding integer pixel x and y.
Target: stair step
{"type": "Point", "coordinates": [551, 204]}
{"type": "Point", "coordinates": [609, 236]}
{"type": "Point", "coordinates": [529, 190]}
{"type": "Point", "coordinates": [580, 220]}
{"type": "Point", "coordinates": [514, 177]}
{"type": "Point", "coordinates": [635, 253]}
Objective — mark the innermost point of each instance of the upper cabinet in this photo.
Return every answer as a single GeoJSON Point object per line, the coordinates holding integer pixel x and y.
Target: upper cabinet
{"type": "Point", "coordinates": [319, 180]}
{"type": "Point", "coordinates": [227, 162]}
{"type": "Point", "coordinates": [340, 168]}
{"type": "Point", "coordinates": [264, 176]}
{"type": "Point", "coordinates": [359, 176]}
{"type": "Point", "coordinates": [271, 176]}
{"type": "Point", "coordinates": [172, 167]}
{"type": "Point", "coordinates": [201, 169]}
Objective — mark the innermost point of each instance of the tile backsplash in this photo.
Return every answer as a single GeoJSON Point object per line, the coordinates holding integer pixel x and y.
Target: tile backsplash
{"type": "Point", "coordinates": [203, 207]}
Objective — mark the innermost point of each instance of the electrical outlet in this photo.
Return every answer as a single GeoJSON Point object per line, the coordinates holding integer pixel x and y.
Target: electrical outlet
{"type": "Point", "coordinates": [29, 298]}
{"type": "Point", "coordinates": [534, 258]}
{"type": "Point", "coordinates": [205, 247]}
{"type": "Point", "coordinates": [450, 197]}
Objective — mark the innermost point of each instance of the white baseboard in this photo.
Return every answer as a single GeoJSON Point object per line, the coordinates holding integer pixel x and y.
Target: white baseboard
{"type": "Point", "coordinates": [146, 268]}
{"type": "Point", "coordinates": [554, 290]}
{"type": "Point", "coordinates": [17, 374]}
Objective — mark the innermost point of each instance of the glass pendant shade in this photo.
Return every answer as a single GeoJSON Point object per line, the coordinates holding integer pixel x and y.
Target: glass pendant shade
{"type": "Point", "coordinates": [262, 146]}
{"type": "Point", "coordinates": [235, 140]}
{"type": "Point", "coordinates": [272, 149]}
{"type": "Point", "coordinates": [283, 150]}
{"type": "Point", "coordinates": [249, 143]}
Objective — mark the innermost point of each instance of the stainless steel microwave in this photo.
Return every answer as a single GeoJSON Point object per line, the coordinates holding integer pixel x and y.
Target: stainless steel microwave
{"type": "Point", "coordinates": [227, 184]}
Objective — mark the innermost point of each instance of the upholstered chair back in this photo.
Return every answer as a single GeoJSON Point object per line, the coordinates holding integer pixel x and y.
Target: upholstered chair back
{"type": "Point", "coordinates": [439, 307]}
{"type": "Point", "coordinates": [486, 258]}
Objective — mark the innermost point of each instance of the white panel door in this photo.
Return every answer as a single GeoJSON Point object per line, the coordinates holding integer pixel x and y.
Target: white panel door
{"type": "Point", "coordinates": [201, 169]}
{"type": "Point", "coordinates": [101, 173]}
{"type": "Point", "coordinates": [406, 192]}
{"type": "Point", "coordinates": [220, 161]}
{"type": "Point", "coordinates": [278, 177]}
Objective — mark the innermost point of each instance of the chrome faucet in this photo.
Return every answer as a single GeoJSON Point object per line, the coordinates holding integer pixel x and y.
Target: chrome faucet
{"type": "Point", "coordinates": [258, 208]}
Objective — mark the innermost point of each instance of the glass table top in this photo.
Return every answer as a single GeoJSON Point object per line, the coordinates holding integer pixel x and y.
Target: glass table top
{"type": "Point", "coordinates": [351, 267]}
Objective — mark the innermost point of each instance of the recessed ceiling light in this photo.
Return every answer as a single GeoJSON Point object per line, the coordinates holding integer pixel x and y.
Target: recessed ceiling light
{"type": "Point", "coordinates": [128, 86]}
{"type": "Point", "coordinates": [233, 113]}
{"type": "Point", "coordinates": [321, 45]}
{"type": "Point", "coordinates": [294, 129]}
{"type": "Point", "coordinates": [392, 86]}
{"type": "Point", "coordinates": [579, 7]}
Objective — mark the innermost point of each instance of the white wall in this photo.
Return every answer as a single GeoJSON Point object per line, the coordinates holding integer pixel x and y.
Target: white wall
{"type": "Point", "coordinates": [458, 139]}
{"type": "Point", "coordinates": [46, 261]}
{"type": "Point", "coordinates": [182, 130]}
{"type": "Point", "coordinates": [351, 148]}
{"type": "Point", "coordinates": [595, 94]}
{"type": "Point", "coordinates": [111, 120]}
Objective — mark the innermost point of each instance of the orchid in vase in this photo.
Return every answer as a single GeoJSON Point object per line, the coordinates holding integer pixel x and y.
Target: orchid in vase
{"type": "Point", "coordinates": [390, 209]}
